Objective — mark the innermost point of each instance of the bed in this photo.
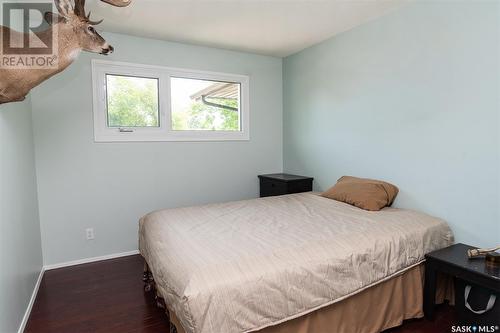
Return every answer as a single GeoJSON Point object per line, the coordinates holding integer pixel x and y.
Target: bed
{"type": "Point", "coordinates": [289, 263]}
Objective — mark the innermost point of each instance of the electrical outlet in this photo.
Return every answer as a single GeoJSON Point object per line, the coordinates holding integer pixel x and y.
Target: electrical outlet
{"type": "Point", "coordinates": [90, 233]}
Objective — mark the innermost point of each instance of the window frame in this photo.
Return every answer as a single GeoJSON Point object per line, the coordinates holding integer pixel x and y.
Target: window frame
{"type": "Point", "coordinates": [103, 133]}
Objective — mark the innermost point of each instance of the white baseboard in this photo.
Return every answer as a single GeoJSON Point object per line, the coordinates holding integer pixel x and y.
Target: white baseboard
{"type": "Point", "coordinates": [32, 301]}
{"type": "Point", "coordinates": [88, 260]}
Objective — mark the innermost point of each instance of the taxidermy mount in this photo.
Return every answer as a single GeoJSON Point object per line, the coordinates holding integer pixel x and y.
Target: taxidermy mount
{"type": "Point", "coordinates": [75, 32]}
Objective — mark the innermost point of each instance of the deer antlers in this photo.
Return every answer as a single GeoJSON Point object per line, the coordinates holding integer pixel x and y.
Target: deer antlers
{"type": "Point", "coordinates": [80, 8]}
{"type": "Point", "coordinates": [471, 253]}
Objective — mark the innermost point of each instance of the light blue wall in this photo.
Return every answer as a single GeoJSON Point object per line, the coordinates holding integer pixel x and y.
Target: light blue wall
{"type": "Point", "coordinates": [108, 186]}
{"type": "Point", "coordinates": [20, 248]}
{"type": "Point", "coordinates": [412, 98]}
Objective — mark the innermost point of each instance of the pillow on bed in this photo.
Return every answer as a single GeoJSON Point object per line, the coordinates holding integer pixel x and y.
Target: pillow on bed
{"type": "Point", "coordinates": [368, 194]}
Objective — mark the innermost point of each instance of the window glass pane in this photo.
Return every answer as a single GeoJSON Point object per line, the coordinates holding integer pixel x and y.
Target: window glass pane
{"type": "Point", "coordinates": [132, 101]}
{"type": "Point", "coordinates": [205, 105]}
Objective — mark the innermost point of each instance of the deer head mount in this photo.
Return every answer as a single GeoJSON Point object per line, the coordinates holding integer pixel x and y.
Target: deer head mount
{"type": "Point", "coordinates": [75, 32]}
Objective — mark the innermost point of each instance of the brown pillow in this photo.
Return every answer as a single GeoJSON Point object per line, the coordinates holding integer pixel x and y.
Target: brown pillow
{"type": "Point", "coordinates": [364, 193]}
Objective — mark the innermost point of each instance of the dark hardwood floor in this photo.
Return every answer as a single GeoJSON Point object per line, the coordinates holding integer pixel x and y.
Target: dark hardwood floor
{"type": "Point", "coordinates": [107, 297]}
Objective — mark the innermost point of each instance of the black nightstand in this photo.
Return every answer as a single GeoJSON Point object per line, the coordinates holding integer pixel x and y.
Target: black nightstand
{"type": "Point", "coordinates": [283, 183]}
{"type": "Point", "coordinates": [453, 261]}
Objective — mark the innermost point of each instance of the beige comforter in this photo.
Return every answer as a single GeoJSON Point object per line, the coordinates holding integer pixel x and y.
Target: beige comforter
{"type": "Point", "coordinates": [245, 265]}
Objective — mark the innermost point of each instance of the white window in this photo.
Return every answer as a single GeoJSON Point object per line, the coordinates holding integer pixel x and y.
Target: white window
{"type": "Point", "coordinates": [152, 103]}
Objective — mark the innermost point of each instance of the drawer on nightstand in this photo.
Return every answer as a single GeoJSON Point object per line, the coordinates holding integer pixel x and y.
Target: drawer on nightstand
{"type": "Point", "coordinates": [270, 188]}
{"type": "Point", "coordinates": [478, 299]}
{"type": "Point", "coordinates": [297, 186]}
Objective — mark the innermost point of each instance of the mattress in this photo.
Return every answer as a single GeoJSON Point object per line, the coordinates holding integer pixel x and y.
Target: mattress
{"type": "Point", "coordinates": [246, 265]}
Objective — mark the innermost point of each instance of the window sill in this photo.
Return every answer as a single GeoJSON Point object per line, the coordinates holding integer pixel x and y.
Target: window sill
{"type": "Point", "coordinates": [173, 137]}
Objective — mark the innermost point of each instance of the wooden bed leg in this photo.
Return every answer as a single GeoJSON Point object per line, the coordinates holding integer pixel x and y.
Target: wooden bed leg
{"type": "Point", "coordinates": [149, 285]}
{"type": "Point", "coordinates": [160, 302]}
{"type": "Point", "coordinates": [147, 277]}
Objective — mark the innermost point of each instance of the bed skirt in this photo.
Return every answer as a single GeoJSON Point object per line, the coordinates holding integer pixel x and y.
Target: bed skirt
{"type": "Point", "coordinates": [373, 310]}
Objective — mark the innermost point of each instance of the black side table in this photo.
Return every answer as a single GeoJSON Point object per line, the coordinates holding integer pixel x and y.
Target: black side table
{"type": "Point", "coordinates": [283, 183]}
{"type": "Point", "coordinates": [453, 261]}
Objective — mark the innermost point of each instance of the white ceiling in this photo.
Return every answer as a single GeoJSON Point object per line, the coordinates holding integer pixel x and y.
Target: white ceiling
{"type": "Point", "coordinates": [270, 27]}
